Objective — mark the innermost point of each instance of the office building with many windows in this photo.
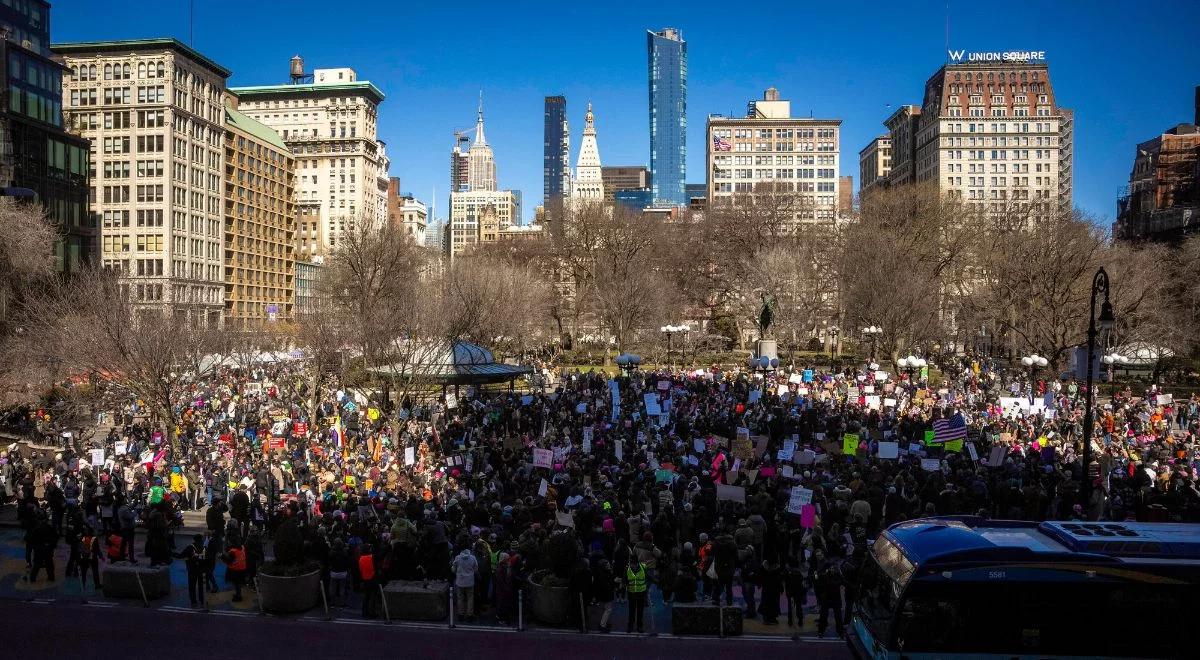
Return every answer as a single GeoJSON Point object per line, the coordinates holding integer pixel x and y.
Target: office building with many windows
{"type": "Point", "coordinates": [39, 159]}
{"type": "Point", "coordinates": [556, 150]}
{"type": "Point", "coordinates": [992, 134]}
{"type": "Point", "coordinates": [478, 216]}
{"type": "Point", "coordinates": [874, 164]}
{"type": "Point", "coordinates": [769, 151]}
{"type": "Point", "coordinates": [667, 62]}
{"type": "Point", "coordinates": [407, 212]}
{"type": "Point", "coordinates": [623, 177]}
{"type": "Point", "coordinates": [260, 223]}
{"type": "Point", "coordinates": [155, 114]}
{"type": "Point", "coordinates": [341, 165]}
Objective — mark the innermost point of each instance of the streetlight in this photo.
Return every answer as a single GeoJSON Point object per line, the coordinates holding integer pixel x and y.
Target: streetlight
{"type": "Point", "coordinates": [833, 335]}
{"type": "Point", "coordinates": [1113, 360]}
{"type": "Point", "coordinates": [911, 364]}
{"type": "Point", "coordinates": [669, 330]}
{"type": "Point", "coordinates": [872, 331]}
{"type": "Point", "coordinates": [1033, 363]}
{"type": "Point", "coordinates": [628, 362]}
{"type": "Point", "coordinates": [1097, 328]}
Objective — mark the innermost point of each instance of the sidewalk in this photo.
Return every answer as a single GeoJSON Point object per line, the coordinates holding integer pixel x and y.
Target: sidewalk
{"type": "Point", "coordinates": [14, 585]}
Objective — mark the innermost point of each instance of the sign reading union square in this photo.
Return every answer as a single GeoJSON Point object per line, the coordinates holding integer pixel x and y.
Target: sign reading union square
{"type": "Point", "coordinates": [1009, 56]}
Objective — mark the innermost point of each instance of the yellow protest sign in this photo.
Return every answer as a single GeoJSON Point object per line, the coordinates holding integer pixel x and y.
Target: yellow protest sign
{"type": "Point", "coordinates": [850, 444]}
{"type": "Point", "coordinates": [373, 414]}
{"type": "Point", "coordinates": [954, 445]}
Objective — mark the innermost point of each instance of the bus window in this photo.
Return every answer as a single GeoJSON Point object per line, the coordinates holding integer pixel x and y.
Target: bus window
{"type": "Point", "coordinates": [1061, 617]}
{"type": "Point", "coordinates": [877, 599]}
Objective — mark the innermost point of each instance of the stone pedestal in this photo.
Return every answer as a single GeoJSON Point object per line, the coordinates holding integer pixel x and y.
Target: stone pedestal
{"type": "Point", "coordinates": [704, 619]}
{"type": "Point", "coordinates": [548, 602]}
{"type": "Point", "coordinates": [766, 347]}
{"type": "Point", "coordinates": [289, 594]}
{"type": "Point", "coordinates": [120, 580]}
{"type": "Point", "coordinates": [417, 601]}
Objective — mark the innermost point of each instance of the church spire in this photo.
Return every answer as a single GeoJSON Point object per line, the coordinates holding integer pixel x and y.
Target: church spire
{"type": "Point", "coordinates": [589, 121]}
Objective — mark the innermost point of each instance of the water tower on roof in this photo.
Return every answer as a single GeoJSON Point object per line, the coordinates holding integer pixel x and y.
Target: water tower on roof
{"type": "Point", "coordinates": [297, 71]}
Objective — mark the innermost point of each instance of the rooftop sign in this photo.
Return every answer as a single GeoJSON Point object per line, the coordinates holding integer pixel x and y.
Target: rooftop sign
{"type": "Point", "coordinates": [962, 56]}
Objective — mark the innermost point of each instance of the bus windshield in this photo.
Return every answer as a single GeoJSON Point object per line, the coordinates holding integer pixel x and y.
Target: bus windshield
{"type": "Point", "coordinates": [1073, 617]}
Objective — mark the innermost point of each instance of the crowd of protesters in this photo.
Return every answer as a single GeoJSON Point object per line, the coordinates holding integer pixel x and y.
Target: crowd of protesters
{"type": "Point", "coordinates": [668, 485]}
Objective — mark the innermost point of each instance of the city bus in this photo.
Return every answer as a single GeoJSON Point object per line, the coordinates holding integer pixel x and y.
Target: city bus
{"type": "Point", "coordinates": [966, 587]}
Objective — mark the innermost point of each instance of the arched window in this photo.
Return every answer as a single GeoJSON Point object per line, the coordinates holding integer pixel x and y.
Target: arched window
{"type": "Point", "coordinates": [141, 69]}
{"type": "Point", "coordinates": [92, 72]}
{"type": "Point", "coordinates": [74, 73]}
{"type": "Point", "coordinates": [161, 70]}
{"type": "Point", "coordinates": [127, 72]}
{"type": "Point", "coordinates": [108, 72]}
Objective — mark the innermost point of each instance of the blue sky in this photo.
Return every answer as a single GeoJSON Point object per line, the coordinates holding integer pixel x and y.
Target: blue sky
{"type": "Point", "coordinates": [1128, 70]}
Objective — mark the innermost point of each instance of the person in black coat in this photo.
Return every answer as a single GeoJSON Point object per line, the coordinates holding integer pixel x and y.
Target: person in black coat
{"type": "Point", "coordinates": [44, 538]}
{"type": "Point", "coordinates": [194, 557]}
{"type": "Point", "coordinates": [770, 578]}
{"type": "Point", "coordinates": [239, 509]}
{"type": "Point", "coordinates": [603, 592]}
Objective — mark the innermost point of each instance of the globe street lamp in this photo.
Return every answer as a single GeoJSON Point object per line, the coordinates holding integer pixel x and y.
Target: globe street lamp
{"type": "Point", "coordinates": [1098, 328]}
{"type": "Point", "coordinates": [1113, 360]}
{"type": "Point", "coordinates": [872, 331]}
{"type": "Point", "coordinates": [911, 364]}
{"type": "Point", "coordinates": [1033, 363]}
{"type": "Point", "coordinates": [628, 362]}
{"type": "Point", "coordinates": [669, 330]}
{"type": "Point", "coordinates": [833, 337]}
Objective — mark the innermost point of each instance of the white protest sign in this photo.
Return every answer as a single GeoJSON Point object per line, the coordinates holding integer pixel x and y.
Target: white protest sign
{"type": "Point", "coordinates": [889, 450]}
{"type": "Point", "coordinates": [121, 447]}
{"type": "Point", "coordinates": [971, 450]}
{"type": "Point", "coordinates": [806, 457]}
{"type": "Point", "coordinates": [868, 389]}
{"type": "Point", "coordinates": [587, 440]}
{"type": "Point", "coordinates": [542, 457]}
{"type": "Point", "coordinates": [732, 493]}
{"type": "Point", "coordinates": [889, 403]}
{"type": "Point", "coordinates": [795, 378]}
{"type": "Point", "coordinates": [410, 455]}
{"type": "Point", "coordinates": [543, 488]}
{"type": "Point", "coordinates": [931, 464]}
{"type": "Point", "coordinates": [98, 457]}
{"type": "Point", "coordinates": [664, 385]}
{"type": "Point", "coordinates": [996, 458]}
{"type": "Point", "coordinates": [798, 498]}
{"type": "Point", "coordinates": [872, 402]}
{"type": "Point", "coordinates": [619, 448]}
{"type": "Point", "coordinates": [787, 472]}
{"type": "Point", "coordinates": [564, 519]}
{"type": "Point", "coordinates": [755, 395]}
{"type": "Point", "coordinates": [651, 401]}
{"type": "Point", "coordinates": [451, 400]}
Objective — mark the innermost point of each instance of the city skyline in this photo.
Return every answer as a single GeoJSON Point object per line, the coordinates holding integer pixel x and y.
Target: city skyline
{"type": "Point", "coordinates": [852, 69]}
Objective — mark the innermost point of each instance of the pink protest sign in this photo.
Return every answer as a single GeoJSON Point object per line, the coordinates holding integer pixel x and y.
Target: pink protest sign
{"type": "Point", "coordinates": [808, 516]}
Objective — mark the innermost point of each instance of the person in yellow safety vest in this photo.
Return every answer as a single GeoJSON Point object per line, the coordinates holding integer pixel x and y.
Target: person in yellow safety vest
{"type": "Point", "coordinates": [635, 586]}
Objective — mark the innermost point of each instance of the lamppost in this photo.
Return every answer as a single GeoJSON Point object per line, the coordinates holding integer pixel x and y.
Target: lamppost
{"type": "Point", "coordinates": [1097, 328]}
{"type": "Point", "coordinates": [872, 331]}
{"type": "Point", "coordinates": [1033, 363]}
{"type": "Point", "coordinates": [1113, 360]}
{"type": "Point", "coordinates": [669, 330]}
{"type": "Point", "coordinates": [833, 337]}
{"type": "Point", "coordinates": [628, 362]}
{"type": "Point", "coordinates": [911, 364]}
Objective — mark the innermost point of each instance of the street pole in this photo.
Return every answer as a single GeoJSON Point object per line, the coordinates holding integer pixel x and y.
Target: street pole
{"type": "Point", "coordinates": [1099, 285]}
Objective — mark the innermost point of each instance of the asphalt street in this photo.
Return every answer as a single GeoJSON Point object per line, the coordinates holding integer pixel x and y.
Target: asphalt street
{"type": "Point", "coordinates": [58, 629]}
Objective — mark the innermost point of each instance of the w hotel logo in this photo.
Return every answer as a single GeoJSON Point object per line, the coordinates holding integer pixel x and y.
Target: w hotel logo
{"type": "Point", "coordinates": [956, 55]}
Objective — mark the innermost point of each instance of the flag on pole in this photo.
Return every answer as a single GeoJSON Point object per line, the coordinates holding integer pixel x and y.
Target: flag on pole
{"type": "Point", "coordinates": [948, 430]}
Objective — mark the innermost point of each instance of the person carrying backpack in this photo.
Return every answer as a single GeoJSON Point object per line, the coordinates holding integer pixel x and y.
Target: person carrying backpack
{"type": "Point", "coordinates": [829, 594]}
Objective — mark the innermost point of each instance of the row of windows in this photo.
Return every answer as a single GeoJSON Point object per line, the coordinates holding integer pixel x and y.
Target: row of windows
{"type": "Point", "coordinates": [118, 71]}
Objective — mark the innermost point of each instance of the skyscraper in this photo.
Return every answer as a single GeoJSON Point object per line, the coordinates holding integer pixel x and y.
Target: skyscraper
{"type": "Point", "coordinates": [482, 163]}
{"type": "Point", "coordinates": [37, 154]}
{"type": "Point", "coordinates": [667, 60]}
{"type": "Point", "coordinates": [556, 159]}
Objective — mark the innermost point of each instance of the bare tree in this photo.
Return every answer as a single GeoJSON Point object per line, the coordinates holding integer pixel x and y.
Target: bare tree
{"type": "Point", "coordinates": [26, 275]}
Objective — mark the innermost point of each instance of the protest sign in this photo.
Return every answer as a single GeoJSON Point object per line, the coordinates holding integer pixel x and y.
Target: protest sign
{"type": "Point", "coordinates": [787, 472]}
{"type": "Point", "coordinates": [889, 403]}
{"type": "Point", "coordinates": [931, 464]}
{"type": "Point", "coordinates": [755, 395]}
{"type": "Point", "coordinates": [587, 440]}
{"type": "Point", "coordinates": [795, 378]}
{"type": "Point", "coordinates": [798, 498]}
{"type": "Point", "coordinates": [543, 488]}
{"type": "Point", "coordinates": [806, 457]}
{"type": "Point", "coordinates": [664, 385]}
{"type": "Point", "coordinates": [971, 450]}
{"type": "Point", "coordinates": [808, 376]}
{"type": "Point", "coordinates": [698, 445]}
{"type": "Point", "coordinates": [850, 444]}
{"type": "Point", "coordinates": [760, 445]}
{"type": "Point", "coordinates": [742, 447]}
{"type": "Point", "coordinates": [872, 402]}
{"type": "Point", "coordinates": [121, 447]}
{"type": "Point", "coordinates": [929, 436]}
{"type": "Point", "coordinates": [889, 450]}
{"type": "Point", "coordinates": [808, 516]}
{"type": "Point", "coordinates": [542, 457]}
{"type": "Point", "coordinates": [731, 493]}
{"type": "Point", "coordinates": [581, 408]}
{"type": "Point", "coordinates": [97, 457]}
{"type": "Point", "coordinates": [410, 455]}
{"type": "Point", "coordinates": [146, 457]}
{"type": "Point", "coordinates": [300, 428]}
{"type": "Point", "coordinates": [564, 518]}
{"type": "Point", "coordinates": [527, 399]}
{"type": "Point", "coordinates": [619, 448]}
{"type": "Point", "coordinates": [996, 458]}
{"type": "Point", "coordinates": [954, 445]}
{"type": "Point", "coordinates": [651, 401]}
{"type": "Point", "coordinates": [451, 400]}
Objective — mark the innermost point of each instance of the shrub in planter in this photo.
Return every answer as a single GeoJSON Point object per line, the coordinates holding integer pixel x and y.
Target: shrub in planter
{"type": "Point", "coordinates": [549, 600]}
{"type": "Point", "coordinates": [289, 583]}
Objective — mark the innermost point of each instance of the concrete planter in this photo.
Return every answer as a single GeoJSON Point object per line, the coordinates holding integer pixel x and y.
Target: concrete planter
{"type": "Point", "coordinates": [549, 604]}
{"type": "Point", "coordinates": [704, 619]}
{"type": "Point", "coordinates": [289, 594]}
{"type": "Point", "coordinates": [418, 601]}
{"type": "Point", "coordinates": [120, 580]}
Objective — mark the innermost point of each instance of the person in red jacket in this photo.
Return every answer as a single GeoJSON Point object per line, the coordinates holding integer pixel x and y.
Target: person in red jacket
{"type": "Point", "coordinates": [369, 574]}
{"type": "Point", "coordinates": [235, 566]}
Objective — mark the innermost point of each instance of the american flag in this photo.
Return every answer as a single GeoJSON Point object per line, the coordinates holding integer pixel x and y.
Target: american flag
{"type": "Point", "coordinates": [947, 430]}
{"type": "Point", "coordinates": [720, 144]}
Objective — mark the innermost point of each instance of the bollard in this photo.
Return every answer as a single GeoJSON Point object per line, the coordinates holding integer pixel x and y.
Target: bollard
{"type": "Point", "coordinates": [387, 616]}
{"type": "Point", "coordinates": [258, 597]}
{"type": "Point", "coordinates": [325, 602]}
{"type": "Point", "coordinates": [520, 610]}
{"type": "Point", "coordinates": [452, 597]}
{"type": "Point", "coordinates": [142, 588]}
{"type": "Point", "coordinates": [82, 589]}
{"type": "Point", "coordinates": [650, 611]}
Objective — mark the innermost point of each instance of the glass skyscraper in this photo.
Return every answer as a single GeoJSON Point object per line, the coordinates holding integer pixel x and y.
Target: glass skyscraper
{"type": "Point", "coordinates": [557, 150]}
{"type": "Point", "coordinates": [667, 60]}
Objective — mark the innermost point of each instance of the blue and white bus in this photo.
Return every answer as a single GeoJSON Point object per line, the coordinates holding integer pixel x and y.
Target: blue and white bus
{"type": "Point", "coordinates": [965, 587]}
